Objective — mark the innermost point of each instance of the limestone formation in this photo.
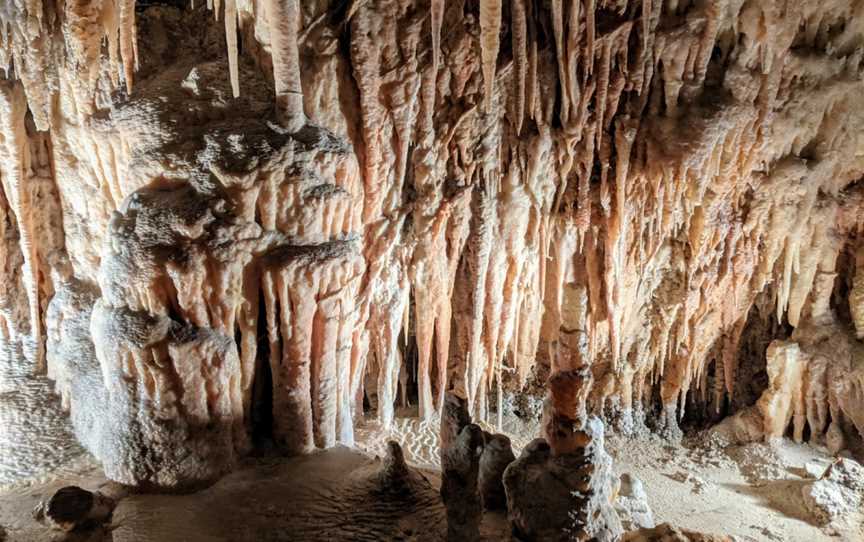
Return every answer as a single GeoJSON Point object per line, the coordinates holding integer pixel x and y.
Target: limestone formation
{"type": "Point", "coordinates": [454, 418]}
{"type": "Point", "coordinates": [631, 504]}
{"type": "Point", "coordinates": [837, 491]}
{"type": "Point", "coordinates": [398, 485]}
{"type": "Point", "coordinates": [460, 469]}
{"type": "Point", "coordinates": [497, 455]}
{"type": "Point", "coordinates": [72, 508]}
{"type": "Point", "coordinates": [668, 533]}
{"type": "Point", "coordinates": [815, 384]}
{"type": "Point", "coordinates": [564, 496]}
{"type": "Point", "coordinates": [231, 221]}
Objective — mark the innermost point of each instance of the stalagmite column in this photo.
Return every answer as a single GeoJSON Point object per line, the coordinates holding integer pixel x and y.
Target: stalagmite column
{"type": "Point", "coordinates": [566, 496]}
{"type": "Point", "coordinates": [783, 401]}
{"type": "Point", "coordinates": [461, 445]}
{"type": "Point", "coordinates": [497, 455]}
{"type": "Point", "coordinates": [174, 415]}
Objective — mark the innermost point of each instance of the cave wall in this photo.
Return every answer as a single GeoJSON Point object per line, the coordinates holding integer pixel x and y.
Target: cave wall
{"type": "Point", "coordinates": [514, 186]}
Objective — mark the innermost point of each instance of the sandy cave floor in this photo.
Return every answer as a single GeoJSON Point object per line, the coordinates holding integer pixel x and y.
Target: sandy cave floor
{"type": "Point", "coordinates": [751, 492]}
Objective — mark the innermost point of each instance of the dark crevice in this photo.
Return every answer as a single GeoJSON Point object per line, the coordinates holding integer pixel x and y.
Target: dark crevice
{"type": "Point", "coordinates": [262, 383]}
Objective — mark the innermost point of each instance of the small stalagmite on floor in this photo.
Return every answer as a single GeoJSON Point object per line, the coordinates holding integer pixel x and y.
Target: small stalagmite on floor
{"type": "Point", "coordinates": [459, 485]}
{"type": "Point", "coordinates": [497, 455]}
{"type": "Point", "coordinates": [461, 448]}
{"type": "Point", "coordinates": [668, 533]}
{"type": "Point", "coordinates": [72, 508]}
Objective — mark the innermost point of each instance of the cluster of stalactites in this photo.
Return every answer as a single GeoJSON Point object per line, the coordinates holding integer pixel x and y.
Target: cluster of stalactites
{"type": "Point", "coordinates": [672, 174]}
{"type": "Point", "coordinates": [31, 51]}
{"type": "Point", "coordinates": [29, 31]}
{"type": "Point", "coordinates": [588, 172]}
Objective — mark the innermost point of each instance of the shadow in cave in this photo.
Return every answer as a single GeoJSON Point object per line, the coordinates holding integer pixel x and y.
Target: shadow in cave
{"type": "Point", "coordinates": [703, 410]}
{"type": "Point", "coordinates": [262, 385]}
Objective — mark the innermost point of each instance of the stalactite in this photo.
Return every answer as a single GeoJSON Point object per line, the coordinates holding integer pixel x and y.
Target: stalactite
{"type": "Point", "coordinates": [284, 18]}
{"type": "Point", "coordinates": [490, 28]}
{"type": "Point", "coordinates": [16, 154]}
{"type": "Point", "coordinates": [558, 32]}
{"type": "Point", "coordinates": [231, 41]}
{"type": "Point", "coordinates": [436, 10]}
{"type": "Point", "coordinates": [128, 38]}
{"type": "Point", "coordinates": [520, 57]}
{"type": "Point", "coordinates": [590, 29]}
{"type": "Point", "coordinates": [856, 295]}
{"type": "Point", "coordinates": [574, 52]}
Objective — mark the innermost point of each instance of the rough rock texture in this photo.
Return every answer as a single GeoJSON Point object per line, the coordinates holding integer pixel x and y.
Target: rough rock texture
{"type": "Point", "coordinates": [563, 496]}
{"type": "Point", "coordinates": [72, 508]}
{"type": "Point", "coordinates": [460, 469]}
{"type": "Point", "coordinates": [454, 418]}
{"type": "Point", "coordinates": [461, 451]}
{"type": "Point", "coordinates": [836, 492]}
{"type": "Point", "coordinates": [280, 197]}
{"type": "Point", "coordinates": [667, 533]}
{"type": "Point", "coordinates": [497, 455]}
{"type": "Point", "coordinates": [815, 383]}
{"type": "Point", "coordinates": [631, 504]}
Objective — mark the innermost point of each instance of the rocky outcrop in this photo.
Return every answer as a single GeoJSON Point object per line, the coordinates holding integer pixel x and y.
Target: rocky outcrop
{"type": "Point", "coordinates": [631, 504]}
{"type": "Point", "coordinates": [836, 492]}
{"type": "Point", "coordinates": [563, 496]}
{"type": "Point", "coordinates": [815, 387]}
{"type": "Point", "coordinates": [71, 508]}
{"type": "Point", "coordinates": [668, 533]}
{"type": "Point", "coordinates": [460, 469]}
{"type": "Point", "coordinates": [454, 418]}
{"type": "Point", "coordinates": [497, 455]}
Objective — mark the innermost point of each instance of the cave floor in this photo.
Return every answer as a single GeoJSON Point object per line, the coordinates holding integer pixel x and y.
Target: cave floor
{"type": "Point", "coordinates": [751, 492]}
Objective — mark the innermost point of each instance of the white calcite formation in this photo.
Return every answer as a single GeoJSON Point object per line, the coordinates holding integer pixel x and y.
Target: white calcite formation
{"type": "Point", "coordinates": [202, 202]}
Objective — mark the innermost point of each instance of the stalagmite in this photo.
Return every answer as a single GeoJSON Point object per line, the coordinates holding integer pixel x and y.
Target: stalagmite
{"type": "Point", "coordinates": [460, 465]}
{"type": "Point", "coordinates": [563, 497]}
{"type": "Point", "coordinates": [497, 454]}
{"type": "Point", "coordinates": [784, 400]}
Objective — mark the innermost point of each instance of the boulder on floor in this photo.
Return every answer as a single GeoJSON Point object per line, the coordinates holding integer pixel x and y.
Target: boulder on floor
{"type": "Point", "coordinates": [668, 533]}
{"type": "Point", "coordinates": [72, 508]}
